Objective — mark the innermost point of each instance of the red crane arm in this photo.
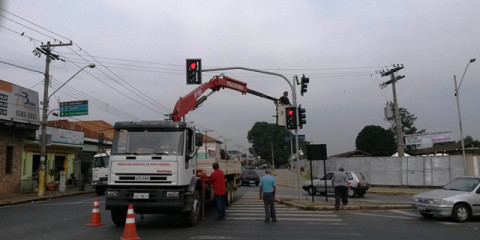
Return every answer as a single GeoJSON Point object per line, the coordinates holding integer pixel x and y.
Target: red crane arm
{"type": "Point", "coordinates": [193, 99]}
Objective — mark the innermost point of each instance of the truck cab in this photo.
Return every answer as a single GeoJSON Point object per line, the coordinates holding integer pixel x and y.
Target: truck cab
{"type": "Point", "coordinates": [153, 166]}
{"type": "Point", "coordinates": [101, 161]}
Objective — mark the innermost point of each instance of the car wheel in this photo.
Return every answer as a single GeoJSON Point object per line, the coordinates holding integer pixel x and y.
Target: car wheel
{"type": "Point", "coordinates": [351, 193]}
{"type": "Point", "coordinates": [312, 190]}
{"type": "Point", "coordinates": [360, 194]}
{"type": "Point", "coordinates": [461, 212]}
{"type": "Point", "coordinates": [427, 215]}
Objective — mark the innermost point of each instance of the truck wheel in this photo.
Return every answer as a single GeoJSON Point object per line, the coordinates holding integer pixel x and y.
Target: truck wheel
{"type": "Point", "coordinates": [228, 186]}
{"type": "Point", "coordinates": [192, 217]}
{"type": "Point", "coordinates": [232, 190]}
{"type": "Point", "coordinates": [119, 216]}
{"type": "Point", "coordinates": [100, 190]}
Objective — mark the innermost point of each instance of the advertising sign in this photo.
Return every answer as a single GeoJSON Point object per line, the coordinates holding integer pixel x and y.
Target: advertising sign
{"type": "Point", "coordinates": [428, 138]}
{"type": "Point", "coordinates": [75, 108]}
{"type": "Point", "coordinates": [18, 104]}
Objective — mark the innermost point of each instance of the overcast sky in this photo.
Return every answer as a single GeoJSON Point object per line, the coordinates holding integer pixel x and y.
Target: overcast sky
{"type": "Point", "coordinates": [140, 48]}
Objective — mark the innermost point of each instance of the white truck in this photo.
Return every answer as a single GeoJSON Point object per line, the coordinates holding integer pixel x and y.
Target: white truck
{"type": "Point", "coordinates": [153, 165]}
{"type": "Point", "coordinates": [100, 171]}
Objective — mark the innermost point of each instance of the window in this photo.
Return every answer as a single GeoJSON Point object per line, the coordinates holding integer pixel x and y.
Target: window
{"type": "Point", "coordinates": [9, 160]}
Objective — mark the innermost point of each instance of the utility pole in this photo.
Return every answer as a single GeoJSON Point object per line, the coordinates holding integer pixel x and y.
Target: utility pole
{"type": "Point", "coordinates": [45, 49]}
{"type": "Point", "coordinates": [396, 112]}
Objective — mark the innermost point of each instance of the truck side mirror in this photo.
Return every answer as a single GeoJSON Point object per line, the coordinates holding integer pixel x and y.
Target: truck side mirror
{"type": "Point", "coordinates": [198, 139]}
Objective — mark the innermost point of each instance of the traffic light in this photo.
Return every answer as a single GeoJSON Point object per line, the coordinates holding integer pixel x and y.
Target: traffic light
{"type": "Point", "coordinates": [194, 71]}
{"type": "Point", "coordinates": [291, 117]}
{"type": "Point", "coordinates": [302, 117]}
{"type": "Point", "coordinates": [304, 83]}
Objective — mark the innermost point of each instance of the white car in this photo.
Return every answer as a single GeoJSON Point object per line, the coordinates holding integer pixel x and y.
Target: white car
{"type": "Point", "coordinates": [459, 199]}
{"type": "Point", "coordinates": [358, 184]}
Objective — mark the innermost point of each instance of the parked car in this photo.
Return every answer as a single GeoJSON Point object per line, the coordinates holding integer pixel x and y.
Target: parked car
{"type": "Point", "coordinates": [250, 176]}
{"type": "Point", "coordinates": [459, 199]}
{"type": "Point", "coordinates": [358, 184]}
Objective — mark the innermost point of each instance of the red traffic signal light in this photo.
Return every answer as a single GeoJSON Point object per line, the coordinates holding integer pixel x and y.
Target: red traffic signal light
{"type": "Point", "coordinates": [291, 118]}
{"type": "Point", "coordinates": [194, 71]}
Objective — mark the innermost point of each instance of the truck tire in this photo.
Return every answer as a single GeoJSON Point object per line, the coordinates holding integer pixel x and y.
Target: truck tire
{"type": "Point", "coordinates": [119, 216]}
{"type": "Point", "coordinates": [192, 217]}
{"type": "Point", "coordinates": [228, 186]}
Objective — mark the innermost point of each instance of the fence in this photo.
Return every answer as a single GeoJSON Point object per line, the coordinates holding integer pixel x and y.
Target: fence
{"type": "Point", "coordinates": [406, 171]}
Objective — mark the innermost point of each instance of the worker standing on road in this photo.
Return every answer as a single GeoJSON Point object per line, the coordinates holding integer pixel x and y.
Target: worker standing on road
{"type": "Point", "coordinates": [268, 188]}
{"type": "Point", "coordinates": [217, 178]}
{"type": "Point", "coordinates": [342, 186]}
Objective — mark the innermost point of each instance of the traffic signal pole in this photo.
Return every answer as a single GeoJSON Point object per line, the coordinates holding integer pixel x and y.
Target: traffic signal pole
{"type": "Point", "coordinates": [294, 100]}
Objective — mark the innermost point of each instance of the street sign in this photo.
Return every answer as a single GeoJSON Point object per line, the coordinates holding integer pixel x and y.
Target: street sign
{"type": "Point", "coordinates": [301, 137]}
{"type": "Point", "coordinates": [75, 108]}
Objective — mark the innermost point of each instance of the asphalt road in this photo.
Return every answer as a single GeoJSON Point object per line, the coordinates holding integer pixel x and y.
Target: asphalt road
{"type": "Point", "coordinates": [66, 218]}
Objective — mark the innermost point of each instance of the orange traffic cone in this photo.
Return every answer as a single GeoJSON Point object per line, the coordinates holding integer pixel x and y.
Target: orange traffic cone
{"type": "Point", "coordinates": [95, 217]}
{"type": "Point", "coordinates": [130, 231]}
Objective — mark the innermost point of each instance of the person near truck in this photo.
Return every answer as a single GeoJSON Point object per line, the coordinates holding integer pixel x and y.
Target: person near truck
{"type": "Point", "coordinates": [284, 99]}
{"type": "Point", "coordinates": [342, 186]}
{"type": "Point", "coordinates": [217, 180]}
{"type": "Point", "coordinates": [267, 188]}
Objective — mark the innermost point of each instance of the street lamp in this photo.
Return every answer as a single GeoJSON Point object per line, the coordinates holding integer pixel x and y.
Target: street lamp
{"type": "Point", "coordinates": [458, 106]}
{"type": "Point", "coordinates": [43, 137]}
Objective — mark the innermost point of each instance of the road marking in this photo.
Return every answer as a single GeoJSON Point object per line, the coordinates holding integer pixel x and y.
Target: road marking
{"type": "Point", "coordinates": [406, 213]}
{"type": "Point", "coordinates": [288, 219]}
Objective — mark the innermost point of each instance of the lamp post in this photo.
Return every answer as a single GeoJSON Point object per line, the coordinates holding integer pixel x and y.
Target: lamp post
{"type": "Point", "coordinates": [458, 106]}
{"type": "Point", "coordinates": [43, 137]}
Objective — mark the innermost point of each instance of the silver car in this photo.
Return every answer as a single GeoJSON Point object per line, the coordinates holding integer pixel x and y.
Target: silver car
{"type": "Point", "coordinates": [459, 199]}
{"type": "Point", "coordinates": [358, 184]}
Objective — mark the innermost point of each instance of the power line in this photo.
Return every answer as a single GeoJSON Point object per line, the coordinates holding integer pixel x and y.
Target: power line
{"type": "Point", "coordinates": [24, 68]}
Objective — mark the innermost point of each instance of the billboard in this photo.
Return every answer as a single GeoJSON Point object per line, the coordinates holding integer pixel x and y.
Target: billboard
{"type": "Point", "coordinates": [18, 104]}
{"type": "Point", "coordinates": [428, 138]}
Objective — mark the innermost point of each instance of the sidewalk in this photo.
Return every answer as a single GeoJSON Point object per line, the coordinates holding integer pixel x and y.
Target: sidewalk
{"type": "Point", "coordinates": [18, 198]}
{"type": "Point", "coordinates": [287, 183]}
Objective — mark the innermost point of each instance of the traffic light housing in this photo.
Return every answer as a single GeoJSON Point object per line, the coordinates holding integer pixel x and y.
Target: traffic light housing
{"type": "Point", "coordinates": [291, 118]}
{"type": "Point", "coordinates": [304, 84]}
{"type": "Point", "coordinates": [302, 117]}
{"type": "Point", "coordinates": [194, 71]}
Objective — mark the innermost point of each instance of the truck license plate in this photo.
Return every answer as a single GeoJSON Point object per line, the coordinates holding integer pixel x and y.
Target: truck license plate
{"type": "Point", "coordinates": [141, 195]}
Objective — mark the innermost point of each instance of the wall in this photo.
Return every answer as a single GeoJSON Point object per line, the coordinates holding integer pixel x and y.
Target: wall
{"type": "Point", "coordinates": [10, 182]}
{"type": "Point", "coordinates": [407, 171]}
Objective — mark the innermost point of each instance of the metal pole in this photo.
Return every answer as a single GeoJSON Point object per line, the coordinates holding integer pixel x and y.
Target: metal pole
{"type": "Point", "coordinates": [273, 158]}
{"type": "Point", "coordinates": [460, 122]}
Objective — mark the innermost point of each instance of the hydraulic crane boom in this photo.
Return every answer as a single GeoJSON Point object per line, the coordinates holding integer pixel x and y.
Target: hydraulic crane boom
{"type": "Point", "coordinates": [193, 99]}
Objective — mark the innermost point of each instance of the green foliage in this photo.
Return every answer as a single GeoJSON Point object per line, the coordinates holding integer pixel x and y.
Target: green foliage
{"type": "Point", "coordinates": [264, 135]}
{"type": "Point", "coordinates": [408, 127]}
{"type": "Point", "coordinates": [376, 141]}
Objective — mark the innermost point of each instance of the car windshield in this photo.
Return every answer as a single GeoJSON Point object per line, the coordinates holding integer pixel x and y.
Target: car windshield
{"type": "Point", "coordinates": [462, 184]}
{"type": "Point", "coordinates": [249, 173]}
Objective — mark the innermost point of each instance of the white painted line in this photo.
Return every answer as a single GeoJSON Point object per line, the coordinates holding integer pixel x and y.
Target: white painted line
{"type": "Point", "coordinates": [283, 215]}
{"type": "Point", "coordinates": [380, 215]}
{"type": "Point", "coordinates": [406, 213]}
{"type": "Point", "coordinates": [289, 219]}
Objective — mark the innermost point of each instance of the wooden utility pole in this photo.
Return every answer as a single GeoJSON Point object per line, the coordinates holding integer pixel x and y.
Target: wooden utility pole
{"type": "Point", "coordinates": [396, 112]}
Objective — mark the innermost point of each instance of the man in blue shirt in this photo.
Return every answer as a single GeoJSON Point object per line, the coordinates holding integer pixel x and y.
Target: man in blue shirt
{"type": "Point", "coordinates": [267, 188]}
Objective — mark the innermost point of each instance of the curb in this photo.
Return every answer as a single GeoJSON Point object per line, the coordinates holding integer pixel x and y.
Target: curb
{"type": "Point", "coordinates": [44, 198]}
{"type": "Point", "coordinates": [351, 207]}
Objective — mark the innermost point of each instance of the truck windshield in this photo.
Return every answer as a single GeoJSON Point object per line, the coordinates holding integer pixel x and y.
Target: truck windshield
{"type": "Point", "coordinates": [147, 142]}
{"type": "Point", "coordinates": [101, 161]}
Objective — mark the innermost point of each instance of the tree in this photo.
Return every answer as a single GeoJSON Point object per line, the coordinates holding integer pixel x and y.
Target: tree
{"type": "Point", "coordinates": [408, 127]}
{"type": "Point", "coordinates": [376, 141]}
{"type": "Point", "coordinates": [263, 136]}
